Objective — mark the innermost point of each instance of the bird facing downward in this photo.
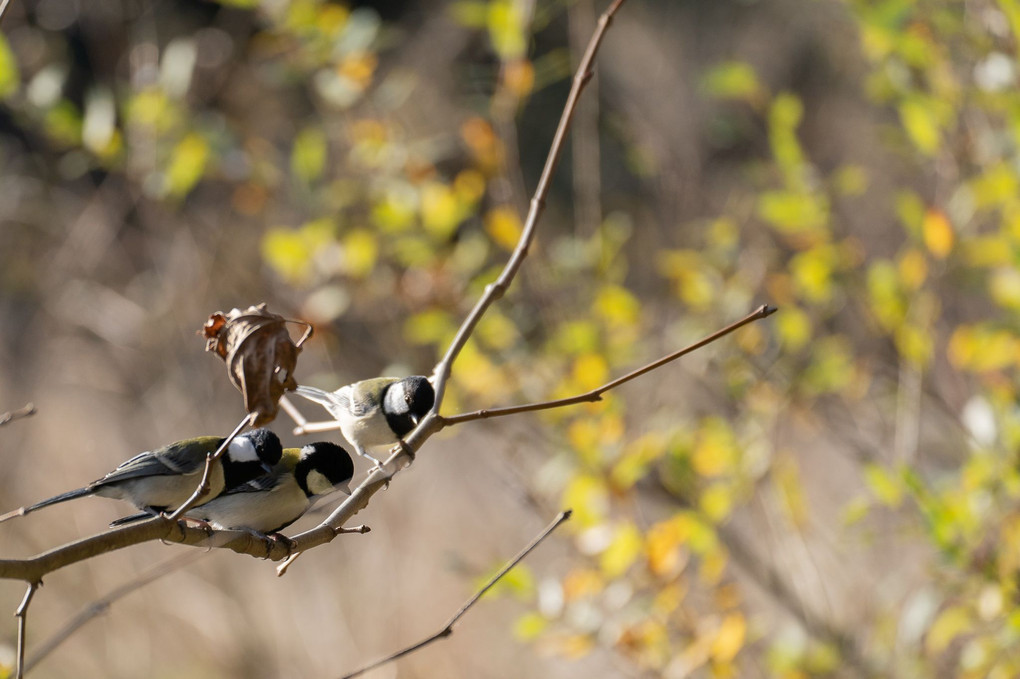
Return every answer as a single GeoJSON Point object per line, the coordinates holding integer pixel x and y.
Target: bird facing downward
{"type": "Point", "coordinates": [162, 479]}
{"type": "Point", "coordinates": [376, 412]}
{"type": "Point", "coordinates": [275, 500]}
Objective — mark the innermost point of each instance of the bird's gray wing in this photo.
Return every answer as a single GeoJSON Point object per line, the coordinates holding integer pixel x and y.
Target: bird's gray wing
{"type": "Point", "coordinates": [365, 396]}
{"type": "Point", "coordinates": [257, 485]}
{"type": "Point", "coordinates": [177, 458]}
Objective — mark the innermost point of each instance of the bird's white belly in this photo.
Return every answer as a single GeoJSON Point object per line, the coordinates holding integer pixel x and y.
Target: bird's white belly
{"type": "Point", "coordinates": [369, 432]}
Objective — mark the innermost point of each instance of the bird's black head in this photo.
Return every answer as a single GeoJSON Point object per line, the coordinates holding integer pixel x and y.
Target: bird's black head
{"type": "Point", "coordinates": [323, 468]}
{"type": "Point", "coordinates": [406, 402]}
{"type": "Point", "coordinates": [250, 455]}
{"type": "Point", "coordinates": [419, 396]}
{"type": "Point", "coordinates": [267, 445]}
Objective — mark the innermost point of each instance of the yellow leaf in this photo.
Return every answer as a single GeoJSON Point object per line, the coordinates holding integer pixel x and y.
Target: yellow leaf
{"type": "Point", "coordinates": [951, 623]}
{"type": "Point", "coordinates": [360, 250]}
{"type": "Point", "coordinates": [589, 498]}
{"type": "Point", "coordinates": [730, 638]}
{"type": "Point", "coordinates": [529, 626]}
{"type": "Point", "coordinates": [715, 452]}
{"type": "Point", "coordinates": [396, 210]}
{"type": "Point", "coordinates": [506, 29]}
{"type": "Point", "coordinates": [937, 233]}
{"type": "Point", "coordinates": [716, 501]}
{"type": "Point", "coordinates": [504, 226]}
{"type": "Point", "coordinates": [921, 125]}
{"type": "Point", "coordinates": [617, 305]}
{"type": "Point", "coordinates": [663, 546]}
{"type": "Point", "coordinates": [812, 273]}
{"type": "Point", "coordinates": [888, 490]}
{"type": "Point", "coordinates": [187, 165]}
{"type": "Point", "coordinates": [623, 551]}
{"type": "Point", "coordinates": [793, 327]}
{"type": "Point", "coordinates": [590, 371]}
{"type": "Point", "coordinates": [469, 186]}
{"type": "Point", "coordinates": [913, 269]}
{"type": "Point", "coordinates": [440, 209]}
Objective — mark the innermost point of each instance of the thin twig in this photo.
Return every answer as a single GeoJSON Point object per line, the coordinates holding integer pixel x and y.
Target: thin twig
{"type": "Point", "coordinates": [3, 8]}
{"type": "Point", "coordinates": [24, 411]}
{"type": "Point", "coordinates": [596, 394]}
{"type": "Point", "coordinates": [203, 486]}
{"type": "Point", "coordinates": [22, 615]}
{"type": "Point", "coordinates": [447, 629]}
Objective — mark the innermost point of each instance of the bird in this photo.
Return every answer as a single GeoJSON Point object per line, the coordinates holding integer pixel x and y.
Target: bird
{"type": "Point", "coordinates": [273, 501]}
{"type": "Point", "coordinates": [159, 480]}
{"type": "Point", "coordinates": [376, 412]}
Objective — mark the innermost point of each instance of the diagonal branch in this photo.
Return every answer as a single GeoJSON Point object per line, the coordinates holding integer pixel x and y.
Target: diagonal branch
{"type": "Point", "coordinates": [403, 453]}
{"type": "Point", "coordinates": [447, 629]}
{"type": "Point", "coordinates": [495, 291]}
{"type": "Point", "coordinates": [596, 394]}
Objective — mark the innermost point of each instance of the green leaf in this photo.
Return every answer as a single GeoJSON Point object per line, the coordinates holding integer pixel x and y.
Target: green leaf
{"type": "Point", "coordinates": [10, 79]}
{"type": "Point", "coordinates": [308, 156]}
{"type": "Point", "coordinates": [732, 80]}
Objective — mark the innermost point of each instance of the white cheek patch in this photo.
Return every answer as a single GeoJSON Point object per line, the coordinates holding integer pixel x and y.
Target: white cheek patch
{"type": "Point", "coordinates": [241, 449]}
{"type": "Point", "coordinates": [318, 484]}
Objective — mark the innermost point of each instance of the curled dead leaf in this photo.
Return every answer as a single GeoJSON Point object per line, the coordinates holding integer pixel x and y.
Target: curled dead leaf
{"type": "Point", "coordinates": [259, 354]}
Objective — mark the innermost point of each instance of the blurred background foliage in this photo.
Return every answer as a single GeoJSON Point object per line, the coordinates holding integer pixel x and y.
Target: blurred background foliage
{"type": "Point", "coordinates": [833, 492]}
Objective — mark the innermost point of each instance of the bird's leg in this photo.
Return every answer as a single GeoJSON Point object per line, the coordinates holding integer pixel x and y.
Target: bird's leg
{"type": "Point", "coordinates": [199, 523]}
{"type": "Point", "coordinates": [360, 450]}
{"type": "Point", "coordinates": [269, 539]}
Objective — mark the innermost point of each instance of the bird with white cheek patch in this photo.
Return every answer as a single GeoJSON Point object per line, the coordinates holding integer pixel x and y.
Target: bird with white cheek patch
{"type": "Point", "coordinates": [272, 502]}
{"type": "Point", "coordinates": [376, 412]}
{"type": "Point", "coordinates": [163, 479]}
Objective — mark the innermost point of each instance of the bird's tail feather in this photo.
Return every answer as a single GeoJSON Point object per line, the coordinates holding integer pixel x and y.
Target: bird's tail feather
{"type": "Point", "coordinates": [318, 395]}
{"type": "Point", "coordinates": [130, 519]}
{"type": "Point", "coordinates": [63, 497]}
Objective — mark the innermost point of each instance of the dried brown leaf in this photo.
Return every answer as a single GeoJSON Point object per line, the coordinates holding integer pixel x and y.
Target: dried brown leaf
{"type": "Point", "coordinates": [259, 354]}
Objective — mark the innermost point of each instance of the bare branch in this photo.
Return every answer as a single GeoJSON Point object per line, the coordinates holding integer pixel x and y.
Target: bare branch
{"type": "Point", "coordinates": [26, 410]}
{"type": "Point", "coordinates": [596, 394]}
{"type": "Point", "coordinates": [22, 615]}
{"type": "Point", "coordinates": [447, 629]}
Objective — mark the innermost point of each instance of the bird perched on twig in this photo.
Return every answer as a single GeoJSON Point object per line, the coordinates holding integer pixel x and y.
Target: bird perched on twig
{"type": "Point", "coordinates": [275, 500]}
{"type": "Point", "coordinates": [162, 479]}
{"type": "Point", "coordinates": [376, 412]}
